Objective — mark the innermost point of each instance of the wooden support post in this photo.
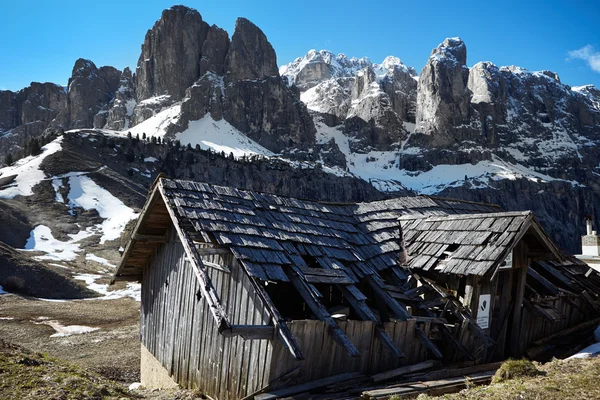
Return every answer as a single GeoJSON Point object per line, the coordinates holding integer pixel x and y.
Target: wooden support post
{"type": "Point", "coordinates": [516, 326]}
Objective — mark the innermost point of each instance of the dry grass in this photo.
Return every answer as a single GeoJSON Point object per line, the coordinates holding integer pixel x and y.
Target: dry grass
{"type": "Point", "coordinates": [29, 375]}
{"type": "Point", "coordinates": [556, 380]}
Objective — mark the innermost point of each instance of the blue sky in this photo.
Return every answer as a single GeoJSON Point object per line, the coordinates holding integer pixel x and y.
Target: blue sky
{"type": "Point", "coordinates": [42, 39]}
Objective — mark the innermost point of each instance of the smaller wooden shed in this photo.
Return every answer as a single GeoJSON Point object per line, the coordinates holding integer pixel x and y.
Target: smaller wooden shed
{"type": "Point", "coordinates": [244, 290]}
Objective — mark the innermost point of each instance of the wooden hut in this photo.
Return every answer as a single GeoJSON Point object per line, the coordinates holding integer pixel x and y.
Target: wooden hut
{"type": "Point", "coordinates": [244, 290]}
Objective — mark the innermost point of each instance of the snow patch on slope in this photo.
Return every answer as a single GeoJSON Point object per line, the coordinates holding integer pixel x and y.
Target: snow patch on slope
{"type": "Point", "coordinates": [132, 290]}
{"type": "Point", "coordinates": [220, 136]}
{"type": "Point", "coordinates": [85, 193]}
{"type": "Point", "coordinates": [157, 125]}
{"type": "Point", "coordinates": [381, 168]}
{"type": "Point", "coordinates": [41, 239]}
{"type": "Point", "coordinates": [28, 172]}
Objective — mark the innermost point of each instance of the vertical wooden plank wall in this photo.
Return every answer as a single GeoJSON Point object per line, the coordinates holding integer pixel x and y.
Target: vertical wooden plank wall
{"type": "Point", "coordinates": [178, 328]}
{"type": "Point", "coordinates": [324, 357]}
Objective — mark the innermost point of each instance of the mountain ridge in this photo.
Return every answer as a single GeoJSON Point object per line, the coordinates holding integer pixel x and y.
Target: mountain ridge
{"type": "Point", "coordinates": [470, 132]}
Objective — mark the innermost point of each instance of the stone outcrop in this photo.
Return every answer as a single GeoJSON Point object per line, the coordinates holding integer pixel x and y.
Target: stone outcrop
{"type": "Point", "coordinates": [171, 52]}
{"type": "Point", "coordinates": [443, 98]}
{"type": "Point", "coordinates": [29, 113]}
{"type": "Point", "coordinates": [250, 55]}
{"type": "Point", "coordinates": [214, 51]}
{"type": "Point", "coordinates": [118, 113]}
{"type": "Point", "coordinates": [89, 90]}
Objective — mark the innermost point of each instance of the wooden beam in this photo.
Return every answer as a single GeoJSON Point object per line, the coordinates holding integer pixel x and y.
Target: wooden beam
{"type": "Point", "coordinates": [399, 311]}
{"type": "Point", "coordinates": [357, 300]}
{"type": "Point", "coordinates": [423, 338]}
{"type": "Point", "coordinates": [208, 290]}
{"type": "Point", "coordinates": [209, 251]}
{"type": "Point", "coordinates": [250, 332]}
{"type": "Point", "coordinates": [150, 238]}
{"type": "Point", "coordinates": [364, 312]}
{"type": "Point", "coordinates": [320, 311]}
{"type": "Point", "coordinates": [516, 327]}
{"type": "Point", "coordinates": [283, 331]}
{"type": "Point", "coordinates": [549, 286]}
{"type": "Point", "coordinates": [394, 373]}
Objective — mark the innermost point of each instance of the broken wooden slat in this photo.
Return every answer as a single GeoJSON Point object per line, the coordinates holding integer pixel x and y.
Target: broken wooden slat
{"type": "Point", "coordinates": [438, 387]}
{"type": "Point", "coordinates": [394, 373]}
{"type": "Point", "coordinates": [320, 311]}
{"type": "Point", "coordinates": [308, 386]}
{"type": "Point", "coordinates": [453, 372]}
{"type": "Point", "coordinates": [250, 332]}
{"type": "Point", "coordinates": [331, 280]}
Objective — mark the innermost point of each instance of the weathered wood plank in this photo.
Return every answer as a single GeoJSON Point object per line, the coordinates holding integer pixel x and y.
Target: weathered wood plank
{"type": "Point", "coordinates": [305, 387]}
{"type": "Point", "coordinates": [394, 373]}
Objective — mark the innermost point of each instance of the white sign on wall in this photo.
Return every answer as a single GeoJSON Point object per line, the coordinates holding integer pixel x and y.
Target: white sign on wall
{"type": "Point", "coordinates": [483, 311]}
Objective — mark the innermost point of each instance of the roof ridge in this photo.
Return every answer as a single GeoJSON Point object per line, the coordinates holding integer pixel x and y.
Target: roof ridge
{"type": "Point", "coordinates": [466, 216]}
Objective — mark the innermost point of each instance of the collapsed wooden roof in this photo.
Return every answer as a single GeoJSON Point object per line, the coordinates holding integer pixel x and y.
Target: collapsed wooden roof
{"type": "Point", "coordinates": [303, 242]}
{"type": "Point", "coordinates": [266, 231]}
{"type": "Point", "coordinates": [469, 244]}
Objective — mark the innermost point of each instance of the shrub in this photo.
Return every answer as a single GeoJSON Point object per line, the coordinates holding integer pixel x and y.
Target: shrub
{"type": "Point", "coordinates": [511, 369]}
{"type": "Point", "coordinates": [13, 284]}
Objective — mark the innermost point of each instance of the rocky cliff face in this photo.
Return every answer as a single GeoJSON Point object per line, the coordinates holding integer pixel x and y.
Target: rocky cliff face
{"type": "Point", "coordinates": [29, 112]}
{"type": "Point", "coordinates": [242, 85]}
{"type": "Point", "coordinates": [443, 98]}
{"type": "Point", "coordinates": [89, 90]}
{"type": "Point", "coordinates": [171, 52]}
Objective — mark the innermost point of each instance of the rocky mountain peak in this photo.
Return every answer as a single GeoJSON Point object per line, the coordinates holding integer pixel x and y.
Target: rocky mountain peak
{"type": "Point", "coordinates": [250, 55]}
{"type": "Point", "coordinates": [171, 52]}
{"type": "Point", "coordinates": [84, 67]}
{"type": "Point", "coordinates": [451, 49]}
{"type": "Point", "coordinates": [443, 97]}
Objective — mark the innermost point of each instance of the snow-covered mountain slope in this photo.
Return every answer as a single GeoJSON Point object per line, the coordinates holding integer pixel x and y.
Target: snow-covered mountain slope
{"type": "Point", "coordinates": [358, 90]}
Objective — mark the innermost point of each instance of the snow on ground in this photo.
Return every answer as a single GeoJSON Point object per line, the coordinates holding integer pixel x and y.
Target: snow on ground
{"type": "Point", "coordinates": [68, 330]}
{"type": "Point", "coordinates": [99, 260]}
{"type": "Point", "coordinates": [132, 290]}
{"type": "Point", "coordinates": [157, 125]}
{"type": "Point", "coordinates": [41, 239]}
{"type": "Point", "coordinates": [380, 168]}
{"type": "Point", "coordinates": [590, 351]}
{"type": "Point", "coordinates": [150, 159]}
{"type": "Point", "coordinates": [220, 136]}
{"type": "Point", "coordinates": [85, 193]}
{"type": "Point", "coordinates": [28, 172]}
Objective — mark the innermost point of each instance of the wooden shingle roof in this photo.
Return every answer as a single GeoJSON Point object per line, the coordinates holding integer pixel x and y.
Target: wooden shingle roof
{"type": "Point", "coordinates": [266, 232]}
{"type": "Point", "coordinates": [464, 244]}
